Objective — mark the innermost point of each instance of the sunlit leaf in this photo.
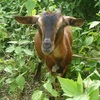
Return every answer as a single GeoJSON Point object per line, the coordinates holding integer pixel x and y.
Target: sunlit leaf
{"type": "Point", "coordinates": [10, 49]}
{"type": "Point", "coordinates": [94, 23]}
{"type": "Point", "coordinates": [70, 87]}
{"type": "Point", "coordinates": [28, 52]}
{"type": "Point", "coordinates": [13, 42]}
{"type": "Point", "coordinates": [10, 80]}
{"type": "Point", "coordinates": [8, 69]}
{"type": "Point", "coordinates": [38, 95]}
{"type": "Point", "coordinates": [24, 42]}
{"type": "Point", "coordinates": [94, 95]}
{"type": "Point", "coordinates": [80, 83]}
{"type": "Point", "coordinates": [89, 40]}
{"type": "Point", "coordinates": [91, 85]}
{"type": "Point", "coordinates": [69, 99]}
{"type": "Point", "coordinates": [81, 97]}
{"type": "Point", "coordinates": [34, 12]}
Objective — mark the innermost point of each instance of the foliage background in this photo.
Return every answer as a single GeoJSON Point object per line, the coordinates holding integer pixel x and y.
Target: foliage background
{"type": "Point", "coordinates": [18, 58]}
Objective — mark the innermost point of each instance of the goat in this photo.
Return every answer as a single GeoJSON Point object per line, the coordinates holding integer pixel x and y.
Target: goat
{"type": "Point", "coordinates": [53, 40]}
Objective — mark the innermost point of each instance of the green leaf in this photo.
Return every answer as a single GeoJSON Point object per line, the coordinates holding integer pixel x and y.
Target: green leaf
{"type": "Point", "coordinates": [70, 87]}
{"type": "Point", "coordinates": [81, 97]}
{"type": "Point", "coordinates": [24, 42]}
{"type": "Point", "coordinates": [10, 80]}
{"type": "Point", "coordinates": [94, 95]}
{"type": "Point", "coordinates": [18, 50]}
{"type": "Point", "coordinates": [89, 40]}
{"type": "Point", "coordinates": [50, 77]}
{"type": "Point", "coordinates": [34, 12]}
{"type": "Point", "coordinates": [69, 99]}
{"type": "Point", "coordinates": [2, 79]}
{"type": "Point", "coordinates": [20, 80]}
{"type": "Point", "coordinates": [28, 52]}
{"type": "Point", "coordinates": [93, 24]}
{"type": "Point", "coordinates": [30, 5]}
{"type": "Point", "coordinates": [38, 95]}
{"type": "Point", "coordinates": [91, 85]}
{"type": "Point", "coordinates": [94, 76]}
{"type": "Point", "coordinates": [48, 85]}
{"type": "Point", "coordinates": [1, 67]}
{"type": "Point", "coordinates": [13, 42]}
{"type": "Point", "coordinates": [10, 49]}
{"type": "Point", "coordinates": [13, 87]}
{"type": "Point", "coordinates": [49, 88]}
{"type": "Point", "coordinates": [22, 62]}
{"type": "Point", "coordinates": [8, 69]}
{"type": "Point", "coordinates": [95, 53]}
{"type": "Point", "coordinates": [80, 83]}
{"type": "Point", "coordinates": [95, 85]}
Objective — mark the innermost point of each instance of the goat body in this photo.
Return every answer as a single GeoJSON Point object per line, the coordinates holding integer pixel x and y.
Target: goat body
{"type": "Point", "coordinates": [53, 40]}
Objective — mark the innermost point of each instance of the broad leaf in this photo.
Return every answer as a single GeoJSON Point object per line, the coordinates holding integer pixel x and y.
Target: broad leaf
{"type": "Point", "coordinates": [20, 80]}
{"type": "Point", "coordinates": [81, 97]}
{"type": "Point", "coordinates": [37, 95]}
{"type": "Point", "coordinates": [91, 85]}
{"type": "Point", "coordinates": [49, 88]}
{"type": "Point", "coordinates": [94, 23]}
{"type": "Point", "coordinates": [70, 87]}
{"type": "Point", "coordinates": [18, 50]}
{"type": "Point", "coordinates": [30, 5]}
{"type": "Point", "coordinates": [10, 49]}
{"type": "Point", "coordinates": [28, 52]}
{"type": "Point", "coordinates": [13, 87]}
{"type": "Point", "coordinates": [8, 69]}
{"type": "Point", "coordinates": [10, 80]}
{"type": "Point", "coordinates": [24, 42]}
{"type": "Point", "coordinates": [89, 40]}
{"type": "Point", "coordinates": [95, 95]}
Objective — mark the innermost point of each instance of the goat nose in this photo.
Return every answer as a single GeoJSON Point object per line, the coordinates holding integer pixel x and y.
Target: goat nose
{"type": "Point", "coordinates": [47, 43]}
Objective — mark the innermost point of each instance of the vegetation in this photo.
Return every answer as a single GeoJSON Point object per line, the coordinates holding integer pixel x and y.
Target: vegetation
{"type": "Point", "coordinates": [18, 58]}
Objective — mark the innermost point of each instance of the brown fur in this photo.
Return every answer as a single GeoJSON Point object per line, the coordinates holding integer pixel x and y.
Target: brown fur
{"type": "Point", "coordinates": [55, 28]}
{"type": "Point", "coordinates": [62, 52]}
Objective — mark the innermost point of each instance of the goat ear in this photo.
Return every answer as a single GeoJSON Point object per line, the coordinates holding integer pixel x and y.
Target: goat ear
{"type": "Point", "coordinates": [27, 19]}
{"type": "Point", "coordinates": [73, 21]}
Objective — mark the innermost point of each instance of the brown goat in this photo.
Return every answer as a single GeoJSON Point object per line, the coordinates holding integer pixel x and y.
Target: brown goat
{"type": "Point", "coordinates": [53, 40]}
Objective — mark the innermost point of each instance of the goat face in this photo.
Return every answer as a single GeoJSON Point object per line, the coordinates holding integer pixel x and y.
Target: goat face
{"type": "Point", "coordinates": [50, 25]}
